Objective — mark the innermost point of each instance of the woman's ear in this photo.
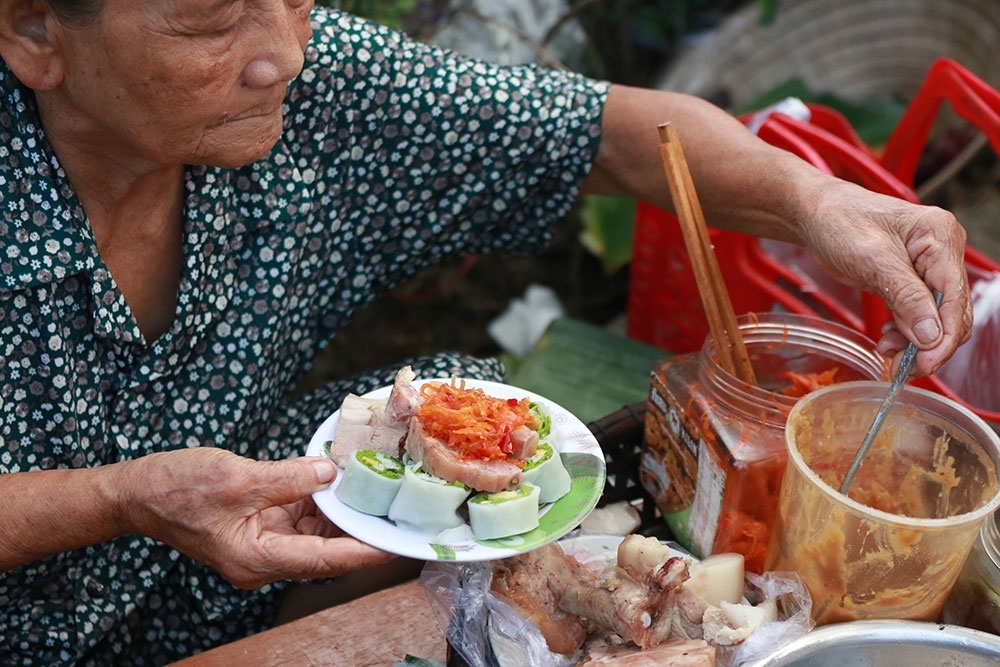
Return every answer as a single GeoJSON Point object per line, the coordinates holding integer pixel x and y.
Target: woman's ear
{"type": "Point", "coordinates": [29, 43]}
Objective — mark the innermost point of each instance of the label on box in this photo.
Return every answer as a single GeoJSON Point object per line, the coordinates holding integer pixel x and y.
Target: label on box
{"type": "Point", "coordinates": [703, 520]}
{"type": "Point", "coordinates": [680, 471]}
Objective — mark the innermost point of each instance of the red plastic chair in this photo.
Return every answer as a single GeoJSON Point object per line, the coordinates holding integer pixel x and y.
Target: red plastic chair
{"type": "Point", "coordinates": [664, 308]}
{"type": "Point", "coordinates": [971, 98]}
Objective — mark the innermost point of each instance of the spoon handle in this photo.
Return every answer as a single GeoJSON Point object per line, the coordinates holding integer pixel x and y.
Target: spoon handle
{"type": "Point", "coordinates": [902, 374]}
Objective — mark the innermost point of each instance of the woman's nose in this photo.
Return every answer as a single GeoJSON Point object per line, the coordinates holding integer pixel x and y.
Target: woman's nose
{"type": "Point", "coordinates": [286, 31]}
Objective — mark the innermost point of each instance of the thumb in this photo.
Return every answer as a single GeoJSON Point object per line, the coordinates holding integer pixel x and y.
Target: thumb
{"type": "Point", "coordinates": [288, 481]}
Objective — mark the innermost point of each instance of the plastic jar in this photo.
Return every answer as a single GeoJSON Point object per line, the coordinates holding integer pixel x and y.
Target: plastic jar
{"type": "Point", "coordinates": [975, 598]}
{"type": "Point", "coordinates": [714, 446]}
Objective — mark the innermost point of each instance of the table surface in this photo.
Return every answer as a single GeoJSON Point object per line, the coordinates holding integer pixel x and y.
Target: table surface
{"type": "Point", "coordinates": [377, 629]}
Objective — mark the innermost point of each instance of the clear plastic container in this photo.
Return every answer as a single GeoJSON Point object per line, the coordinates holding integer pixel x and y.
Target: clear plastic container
{"type": "Point", "coordinates": [714, 447]}
{"type": "Point", "coordinates": [975, 599]}
{"type": "Point", "coordinates": [894, 546]}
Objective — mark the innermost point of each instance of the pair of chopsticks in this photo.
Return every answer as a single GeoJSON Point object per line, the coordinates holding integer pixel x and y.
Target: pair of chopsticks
{"type": "Point", "coordinates": [725, 330]}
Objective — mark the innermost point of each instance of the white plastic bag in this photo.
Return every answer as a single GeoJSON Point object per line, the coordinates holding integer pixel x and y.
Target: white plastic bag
{"type": "Point", "coordinates": [486, 631]}
{"type": "Point", "coordinates": [973, 372]}
{"type": "Point", "coordinates": [479, 625]}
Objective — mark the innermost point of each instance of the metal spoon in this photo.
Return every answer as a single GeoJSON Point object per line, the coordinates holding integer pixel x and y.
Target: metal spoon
{"type": "Point", "coordinates": [902, 374]}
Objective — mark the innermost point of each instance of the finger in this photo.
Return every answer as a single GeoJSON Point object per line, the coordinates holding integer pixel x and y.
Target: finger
{"type": "Point", "coordinates": [285, 482]}
{"type": "Point", "coordinates": [312, 557]}
{"type": "Point", "coordinates": [892, 344]}
{"type": "Point", "coordinates": [318, 525]}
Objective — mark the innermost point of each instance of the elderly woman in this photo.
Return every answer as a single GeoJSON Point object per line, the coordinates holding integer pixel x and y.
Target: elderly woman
{"type": "Point", "coordinates": [197, 195]}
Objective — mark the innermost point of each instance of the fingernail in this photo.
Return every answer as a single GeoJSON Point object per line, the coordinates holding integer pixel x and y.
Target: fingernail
{"type": "Point", "coordinates": [325, 470]}
{"type": "Point", "coordinates": [927, 330]}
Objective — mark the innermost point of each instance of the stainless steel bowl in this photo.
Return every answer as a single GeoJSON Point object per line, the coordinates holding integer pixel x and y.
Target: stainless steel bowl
{"type": "Point", "coordinates": [884, 643]}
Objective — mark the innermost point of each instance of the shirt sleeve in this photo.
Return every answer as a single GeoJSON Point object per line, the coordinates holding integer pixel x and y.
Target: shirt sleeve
{"type": "Point", "coordinates": [435, 154]}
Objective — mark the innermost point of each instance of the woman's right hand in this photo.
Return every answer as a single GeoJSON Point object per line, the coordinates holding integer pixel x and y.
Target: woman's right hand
{"type": "Point", "coordinates": [254, 522]}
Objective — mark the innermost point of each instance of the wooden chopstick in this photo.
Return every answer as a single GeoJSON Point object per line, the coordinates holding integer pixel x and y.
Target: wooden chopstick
{"type": "Point", "coordinates": [714, 297]}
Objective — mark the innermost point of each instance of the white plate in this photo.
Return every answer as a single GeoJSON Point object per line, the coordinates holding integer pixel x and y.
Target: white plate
{"type": "Point", "coordinates": [581, 455]}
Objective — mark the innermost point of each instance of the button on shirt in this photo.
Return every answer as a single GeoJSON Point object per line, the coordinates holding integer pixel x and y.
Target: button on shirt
{"type": "Point", "coordinates": [395, 155]}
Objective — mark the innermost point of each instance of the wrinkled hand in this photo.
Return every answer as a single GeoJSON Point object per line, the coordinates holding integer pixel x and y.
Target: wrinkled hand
{"type": "Point", "coordinates": [899, 252]}
{"type": "Point", "coordinates": [254, 522]}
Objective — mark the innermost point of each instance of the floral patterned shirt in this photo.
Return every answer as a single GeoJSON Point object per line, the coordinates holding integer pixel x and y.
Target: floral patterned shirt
{"type": "Point", "coordinates": [395, 155]}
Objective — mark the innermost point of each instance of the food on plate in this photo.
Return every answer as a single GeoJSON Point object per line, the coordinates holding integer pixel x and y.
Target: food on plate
{"type": "Point", "coordinates": [447, 463]}
{"type": "Point", "coordinates": [426, 503]}
{"type": "Point", "coordinates": [477, 425]}
{"type": "Point", "coordinates": [545, 470]}
{"type": "Point", "coordinates": [640, 601]}
{"type": "Point", "coordinates": [494, 515]}
{"type": "Point", "coordinates": [370, 481]}
{"type": "Point", "coordinates": [461, 442]}
{"type": "Point", "coordinates": [377, 424]}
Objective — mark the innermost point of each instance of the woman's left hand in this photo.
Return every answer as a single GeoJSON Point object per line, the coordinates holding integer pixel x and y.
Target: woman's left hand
{"type": "Point", "coordinates": [901, 253]}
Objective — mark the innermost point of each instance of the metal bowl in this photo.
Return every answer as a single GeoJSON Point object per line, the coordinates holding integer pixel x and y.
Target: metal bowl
{"type": "Point", "coordinates": [880, 643]}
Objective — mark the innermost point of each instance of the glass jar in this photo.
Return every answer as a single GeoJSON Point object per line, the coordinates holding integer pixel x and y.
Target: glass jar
{"type": "Point", "coordinates": [975, 598]}
{"type": "Point", "coordinates": [714, 447]}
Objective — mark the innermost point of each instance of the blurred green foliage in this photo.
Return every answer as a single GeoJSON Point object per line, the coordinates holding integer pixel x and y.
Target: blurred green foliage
{"type": "Point", "coordinates": [388, 12]}
{"type": "Point", "coordinates": [607, 228]}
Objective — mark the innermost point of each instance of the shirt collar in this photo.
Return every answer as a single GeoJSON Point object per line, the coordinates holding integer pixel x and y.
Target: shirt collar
{"type": "Point", "coordinates": [43, 232]}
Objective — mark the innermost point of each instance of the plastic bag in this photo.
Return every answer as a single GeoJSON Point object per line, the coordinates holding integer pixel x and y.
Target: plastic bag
{"type": "Point", "coordinates": [479, 625]}
{"type": "Point", "coordinates": [973, 371]}
{"type": "Point", "coordinates": [486, 631]}
{"type": "Point", "coordinates": [794, 616]}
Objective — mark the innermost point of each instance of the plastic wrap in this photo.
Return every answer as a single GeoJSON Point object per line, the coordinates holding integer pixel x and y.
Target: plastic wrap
{"type": "Point", "coordinates": [794, 616]}
{"type": "Point", "coordinates": [973, 371]}
{"type": "Point", "coordinates": [486, 631]}
{"type": "Point", "coordinates": [480, 626]}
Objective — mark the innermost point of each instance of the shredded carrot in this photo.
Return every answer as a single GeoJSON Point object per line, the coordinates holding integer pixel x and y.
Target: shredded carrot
{"type": "Point", "coordinates": [477, 425]}
{"type": "Point", "coordinates": [803, 383]}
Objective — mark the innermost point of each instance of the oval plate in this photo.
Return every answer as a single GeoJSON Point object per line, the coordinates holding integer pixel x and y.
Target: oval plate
{"type": "Point", "coordinates": [580, 452]}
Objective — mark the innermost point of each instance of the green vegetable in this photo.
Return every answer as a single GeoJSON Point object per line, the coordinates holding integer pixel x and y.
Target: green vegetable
{"type": "Point", "coordinates": [542, 454]}
{"type": "Point", "coordinates": [502, 496]}
{"type": "Point", "coordinates": [383, 464]}
{"type": "Point", "coordinates": [541, 415]}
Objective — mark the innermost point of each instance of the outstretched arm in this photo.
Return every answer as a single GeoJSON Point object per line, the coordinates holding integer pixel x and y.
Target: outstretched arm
{"type": "Point", "coordinates": [874, 242]}
{"type": "Point", "coordinates": [253, 521]}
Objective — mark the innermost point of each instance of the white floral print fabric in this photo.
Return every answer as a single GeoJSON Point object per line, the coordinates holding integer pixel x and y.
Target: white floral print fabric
{"type": "Point", "coordinates": [395, 155]}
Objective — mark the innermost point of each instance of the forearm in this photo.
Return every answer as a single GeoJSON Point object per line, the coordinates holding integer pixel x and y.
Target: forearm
{"type": "Point", "coordinates": [741, 181]}
{"type": "Point", "coordinates": [52, 511]}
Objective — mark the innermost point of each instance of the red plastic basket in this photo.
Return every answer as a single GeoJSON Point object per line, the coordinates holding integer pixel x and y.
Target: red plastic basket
{"type": "Point", "coordinates": [664, 306]}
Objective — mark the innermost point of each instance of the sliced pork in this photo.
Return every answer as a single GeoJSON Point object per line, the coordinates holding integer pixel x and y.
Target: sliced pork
{"type": "Point", "coordinates": [404, 399]}
{"type": "Point", "coordinates": [376, 423]}
{"type": "Point", "coordinates": [363, 425]}
{"type": "Point", "coordinates": [437, 458]}
{"type": "Point", "coordinates": [524, 442]}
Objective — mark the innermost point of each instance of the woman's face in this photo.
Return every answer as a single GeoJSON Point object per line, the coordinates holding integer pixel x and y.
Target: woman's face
{"type": "Point", "coordinates": [179, 81]}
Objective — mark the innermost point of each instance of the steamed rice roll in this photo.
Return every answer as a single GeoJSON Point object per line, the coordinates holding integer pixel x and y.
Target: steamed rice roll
{"type": "Point", "coordinates": [370, 482]}
{"type": "Point", "coordinates": [426, 503]}
{"type": "Point", "coordinates": [546, 470]}
{"type": "Point", "coordinates": [505, 513]}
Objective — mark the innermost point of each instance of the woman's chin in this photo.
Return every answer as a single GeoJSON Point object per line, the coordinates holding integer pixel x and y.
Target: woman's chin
{"type": "Point", "coordinates": [236, 146]}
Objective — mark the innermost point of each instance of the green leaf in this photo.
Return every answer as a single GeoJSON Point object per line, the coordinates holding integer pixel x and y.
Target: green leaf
{"type": "Point", "coordinates": [873, 120]}
{"type": "Point", "coordinates": [608, 226]}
